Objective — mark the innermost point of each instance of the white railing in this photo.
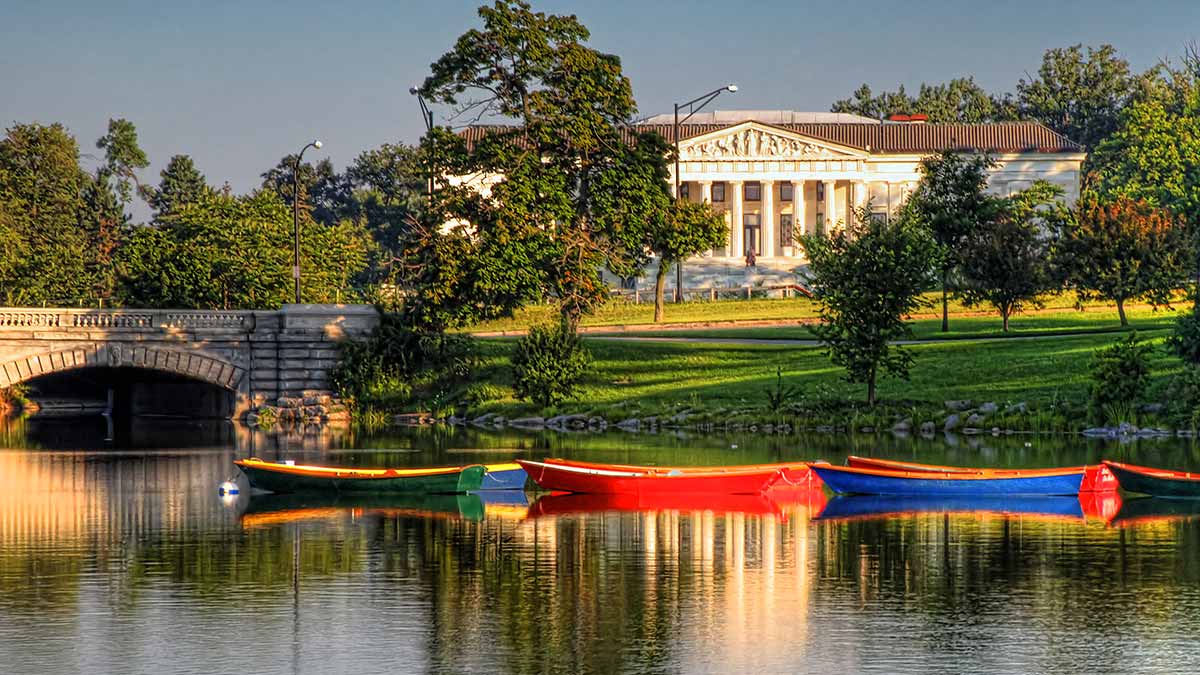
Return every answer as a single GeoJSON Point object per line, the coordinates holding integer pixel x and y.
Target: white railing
{"type": "Point", "coordinates": [123, 319]}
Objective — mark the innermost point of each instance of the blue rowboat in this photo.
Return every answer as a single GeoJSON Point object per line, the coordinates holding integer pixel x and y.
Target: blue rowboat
{"type": "Point", "coordinates": [507, 476]}
{"type": "Point", "coordinates": [866, 507]}
{"type": "Point", "coordinates": [862, 481]}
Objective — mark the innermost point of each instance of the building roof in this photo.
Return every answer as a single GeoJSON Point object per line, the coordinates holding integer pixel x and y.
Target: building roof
{"type": "Point", "coordinates": [878, 137]}
{"type": "Point", "coordinates": [764, 116]}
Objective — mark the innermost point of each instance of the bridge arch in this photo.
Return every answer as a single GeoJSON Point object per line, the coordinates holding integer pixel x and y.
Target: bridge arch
{"type": "Point", "coordinates": [196, 365]}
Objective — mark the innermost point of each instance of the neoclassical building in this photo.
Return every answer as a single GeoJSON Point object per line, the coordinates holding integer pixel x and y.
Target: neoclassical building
{"type": "Point", "coordinates": [779, 174]}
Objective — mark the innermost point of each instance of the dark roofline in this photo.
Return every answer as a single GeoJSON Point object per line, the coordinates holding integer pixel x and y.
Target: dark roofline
{"type": "Point", "coordinates": [888, 138]}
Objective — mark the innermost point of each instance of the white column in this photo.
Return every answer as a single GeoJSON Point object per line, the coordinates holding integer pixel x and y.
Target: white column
{"type": "Point", "coordinates": [859, 196]}
{"type": "Point", "coordinates": [767, 220]}
{"type": "Point", "coordinates": [830, 207]}
{"type": "Point", "coordinates": [798, 225]}
{"type": "Point", "coordinates": [706, 191]}
{"type": "Point", "coordinates": [735, 217]}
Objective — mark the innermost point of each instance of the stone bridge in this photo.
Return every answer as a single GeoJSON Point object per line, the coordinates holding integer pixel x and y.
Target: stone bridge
{"type": "Point", "coordinates": [258, 356]}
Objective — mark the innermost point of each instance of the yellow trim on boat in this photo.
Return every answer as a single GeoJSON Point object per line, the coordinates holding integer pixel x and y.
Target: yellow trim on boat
{"type": "Point", "coordinates": [507, 466]}
{"type": "Point", "coordinates": [342, 471]}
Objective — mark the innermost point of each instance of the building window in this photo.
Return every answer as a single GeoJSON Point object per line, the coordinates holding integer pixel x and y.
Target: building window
{"type": "Point", "coordinates": [753, 192]}
{"type": "Point", "coordinates": [785, 192]}
{"type": "Point", "coordinates": [684, 192]}
{"type": "Point", "coordinates": [718, 192]}
{"type": "Point", "coordinates": [786, 238]}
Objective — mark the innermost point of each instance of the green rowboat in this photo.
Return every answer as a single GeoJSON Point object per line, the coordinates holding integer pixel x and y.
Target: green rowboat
{"type": "Point", "coordinates": [297, 478]}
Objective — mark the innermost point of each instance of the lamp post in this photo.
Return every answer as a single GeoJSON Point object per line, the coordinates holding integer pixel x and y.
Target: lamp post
{"type": "Point", "coordinates": [427, 117]}
{"type": "Point", "coordinates": [296, 216]}
{"type": "Point", "coordinates": [693, 106]}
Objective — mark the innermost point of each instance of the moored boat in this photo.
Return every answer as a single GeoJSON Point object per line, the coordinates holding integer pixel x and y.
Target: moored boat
{"type": "Point", "coordinates": [795, 474]}
{"type": "Point", "coordinates": [506, 476]}
{"type": "Point", "coordinates": [1156, 482]}
{"type": "Point", "coordinates": [857, 480]}
{"type": "Point", "coordinates": [556, 476]}
{"type": "Point", "coordinates": [300, 478]}
{"type": "Point", "coordinates": [1095, 478]}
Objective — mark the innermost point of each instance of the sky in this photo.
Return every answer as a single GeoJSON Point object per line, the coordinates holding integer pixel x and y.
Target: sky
{"type": "Point", "coordinates": [238, 85]}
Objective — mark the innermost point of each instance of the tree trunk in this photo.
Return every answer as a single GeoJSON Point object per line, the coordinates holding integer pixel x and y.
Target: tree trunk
{"type": "Point", "coordinates": [1121, 312]}
{"type": "Point", "coordinates": [945, 303]}
{"type": "Point", "coordinates": [1004, 315]}
{"type": "Point", "coordinates": [871, 388]}
{"type": "Point", "coordinates": [660, 284]}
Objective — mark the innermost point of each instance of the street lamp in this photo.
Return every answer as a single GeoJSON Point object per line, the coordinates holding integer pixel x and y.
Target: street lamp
{"type": "Point", "coordinates": [427, 117]}
{"type": "Point", "coordinates": [296, 216]}
{"type": "Point", "coordinates": [693, 106]}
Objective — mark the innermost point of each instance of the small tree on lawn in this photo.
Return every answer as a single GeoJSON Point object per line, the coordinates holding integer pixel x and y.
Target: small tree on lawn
{"type": "Point", "coordinates": [867, 278]}
{"type": "Point", "coordinates": [1123, 250]}
{"type": "Point", "coordinates": [951, 201]}
{"type": "Point", "coordinates": [1004, 260]}
{"type": "Point", "coordinates": [688, 229]}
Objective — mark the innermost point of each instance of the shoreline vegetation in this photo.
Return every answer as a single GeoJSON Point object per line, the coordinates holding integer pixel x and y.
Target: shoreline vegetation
{"type": "Point", "coordinates": [973, 380]}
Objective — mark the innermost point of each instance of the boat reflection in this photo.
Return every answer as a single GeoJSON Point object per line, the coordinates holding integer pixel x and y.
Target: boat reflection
{"type": "Point", "coordinates": [777, 503]}
{"type": "Point", "coordinates": [270, 510]}
{"type": "Point", "coordinates": [1091, 506]}
{"type": "Point", "coordinates": [1155, 511]}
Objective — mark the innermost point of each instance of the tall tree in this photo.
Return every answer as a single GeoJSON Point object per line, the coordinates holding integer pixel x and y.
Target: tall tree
{"type": "Point", "coordinates": [951, 200]}
{"type": "Point", "coordinates": [1078, 93]}
{"type": "Point", "coordinates": [123, 157]}
{"type": "Point", "coordinates": [180, 183]}
{"type": "Point", "coordinates": [867, 278]}
{"type": "Point", "coordinates": [1124, 250]}
{"type": "Point", "coordinates": [1005, 259]}
{"type": "Point", "coordinates": [570, 103]}
{"type": "Point", "coordinates": [41, 188]}
{"type": "Point", "coordinates": [323, 190]}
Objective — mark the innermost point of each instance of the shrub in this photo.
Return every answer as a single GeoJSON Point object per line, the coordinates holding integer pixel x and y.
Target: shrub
{"type": "Point", "coordinates": [548, 364]}
{"type": "Point", "coordinates": [1120, 374]}
{"type": "Point", "coordinates": [1183, 394]}
{"type": "Point", "coordinates": [1185, 338]}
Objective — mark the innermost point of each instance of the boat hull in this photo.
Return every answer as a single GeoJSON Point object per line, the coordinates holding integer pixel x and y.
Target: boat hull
{"type": "Point", "coordinates": [567, 478]}
{"type": "Point", "coordinates": [1156, 482]}
{"type": "Point", "coordinates": [283, 478]}
{"type": "Point", "coordinates": [509, 476]}
{"type": "Point", "coordinates": [848, 480]}
{"type": "Point", "coordinates": [1096, 478]}
{"type": "Point", "coordinates": [794, 474]}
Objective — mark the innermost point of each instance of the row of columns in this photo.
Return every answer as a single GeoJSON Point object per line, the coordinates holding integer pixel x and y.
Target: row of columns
{"type": "Point", "coordinates": [769, 238]}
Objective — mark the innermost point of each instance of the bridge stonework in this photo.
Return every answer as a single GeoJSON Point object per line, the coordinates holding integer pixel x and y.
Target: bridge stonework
{"type": "Point", "coordinates": [261, 356]}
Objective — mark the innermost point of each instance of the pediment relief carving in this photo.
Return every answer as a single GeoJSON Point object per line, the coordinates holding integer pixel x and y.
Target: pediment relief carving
{"type": "Point", "coordinates": [749, 142]}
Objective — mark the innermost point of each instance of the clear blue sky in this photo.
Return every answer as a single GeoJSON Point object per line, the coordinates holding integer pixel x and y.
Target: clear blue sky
{"type": "Point", "coordinates": [237, 85]}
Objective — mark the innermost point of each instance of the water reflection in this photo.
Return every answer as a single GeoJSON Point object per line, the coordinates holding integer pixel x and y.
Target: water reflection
{"type": "Point", "coordinates": [128, 561]}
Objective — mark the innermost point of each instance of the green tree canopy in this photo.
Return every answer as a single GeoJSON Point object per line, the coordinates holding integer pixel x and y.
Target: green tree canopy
{"type": "Point", "coordinates": [1005, 259]}
{"type": "Point", "coordinates": [1123, 250]}
{"type": "Point", "coordinates": [960, 100]}
{"type": "Point", "coordinates": [951, 200]}
{"type": "Point", "coordinates": [1078, 93]}
{"type": "Point", "coordinates": [180, 183]}
{"type": "Point", "coordinates": [123, 157]}
{"type": "Point", "coordinates": [867, 278]}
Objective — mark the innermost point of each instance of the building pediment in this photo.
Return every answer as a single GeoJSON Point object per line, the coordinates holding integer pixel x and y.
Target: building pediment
{"type": "Point", "coordinates": [753, 140]}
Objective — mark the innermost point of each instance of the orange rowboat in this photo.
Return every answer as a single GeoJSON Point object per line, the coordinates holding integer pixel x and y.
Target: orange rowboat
{"type": "Point", "coordinates": [556, 476]}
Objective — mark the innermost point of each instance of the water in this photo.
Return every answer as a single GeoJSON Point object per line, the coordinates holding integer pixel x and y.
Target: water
{"type": "Point", "coordinates": [121, 558]}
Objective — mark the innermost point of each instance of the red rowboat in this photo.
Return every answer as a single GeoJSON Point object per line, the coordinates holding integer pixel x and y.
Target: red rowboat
{"type": "Point", "coordinates": [556, 476]}
{"type": "Point", "coordinates": [795, 474]}
{"type": "Point", "coordinates": [1095, 478]}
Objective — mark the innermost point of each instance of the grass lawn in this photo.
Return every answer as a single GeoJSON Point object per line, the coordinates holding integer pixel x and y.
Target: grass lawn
{"type": "Point", "coordinates": [663, 377]}
{"type": "Point", "coordinates": [1058, 315]}
{"type": "Point", "coordinates": [1051, 322]}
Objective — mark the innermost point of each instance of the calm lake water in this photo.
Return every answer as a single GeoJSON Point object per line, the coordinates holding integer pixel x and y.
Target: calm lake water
{"type": "Point", "coordinates": [119, 557]}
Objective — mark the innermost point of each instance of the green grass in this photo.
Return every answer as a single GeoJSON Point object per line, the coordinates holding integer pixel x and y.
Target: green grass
{"type": "Point", "coordinates": [964, 320]}
{"type": "Point", "coordinates": [1052, 322]}
{"type": "Point", "coordinates": [664, 377]}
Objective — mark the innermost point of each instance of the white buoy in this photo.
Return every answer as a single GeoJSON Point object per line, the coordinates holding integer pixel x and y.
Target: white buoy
{"type": "Point", "coordinates": [734, 446]}
{"type": "Point", "coordinates": [228, 488]}
{"type": "Point", "coordinates": [290, 462]}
